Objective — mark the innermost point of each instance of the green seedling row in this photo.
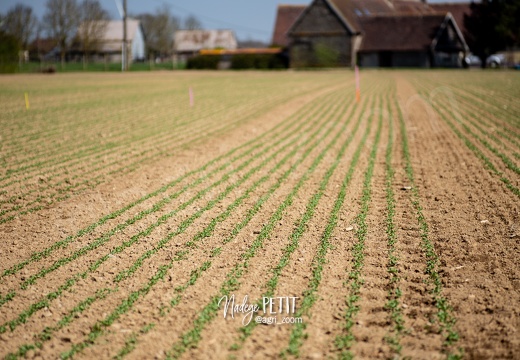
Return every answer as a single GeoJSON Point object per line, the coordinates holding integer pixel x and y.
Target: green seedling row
{"type": "Point", "coordinates": [191, 338]}
{"type": "Point", "coordinates": [344, 342]}
{"type": "Point", "coordinates": [445, 316]}
{"type": "Point", "coordinates": [98, 332]}
{"type": "Point", "coordinates": [208, 230]}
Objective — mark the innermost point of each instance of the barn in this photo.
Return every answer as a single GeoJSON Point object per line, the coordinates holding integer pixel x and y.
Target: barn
{"type": "Point", "coordinates": [286, 16]}
{"type": "Point", "coordinates": [378, 33]}
{"type": "Point", "coordinates": [411, 41]}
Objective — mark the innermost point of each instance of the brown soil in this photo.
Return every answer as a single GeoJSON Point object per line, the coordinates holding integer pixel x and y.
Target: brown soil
{"type": "Point", "coordinates": [282, 136]}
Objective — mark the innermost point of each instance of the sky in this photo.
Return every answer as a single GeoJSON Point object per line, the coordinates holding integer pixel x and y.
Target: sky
{"type": "Point", "coordinates": [251, 20]}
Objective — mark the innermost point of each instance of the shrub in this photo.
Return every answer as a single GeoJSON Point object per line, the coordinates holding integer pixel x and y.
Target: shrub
{"type": "Point", "coordinates": [8, 53]}
{"type": "Point", "coordinates": [258, 61]}
{"type": "Point", "coordinates": [204, 62]}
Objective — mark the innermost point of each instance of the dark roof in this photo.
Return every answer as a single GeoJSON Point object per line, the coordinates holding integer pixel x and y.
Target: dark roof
{"type": "Point", "coordinates": [354, 11]}
{"type": "Point", "coordinates": [412, 7]}
{"type": "Point", "coordinates": [43, 46]}
{"type": "Point", "coordinates": [285, 17]}
{"type": "Point", "coordinates": [457, 10]}
{"type": "Point", "coordinates": [397, 25]}
{"type": "Point", "coordinates": [400, 32]}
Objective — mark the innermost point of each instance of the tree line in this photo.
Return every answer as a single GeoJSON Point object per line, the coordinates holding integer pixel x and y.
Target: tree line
{"type": "Point", "coordinates": [82, 23]}
{"type": "Point", "coordinates": [492, 26]}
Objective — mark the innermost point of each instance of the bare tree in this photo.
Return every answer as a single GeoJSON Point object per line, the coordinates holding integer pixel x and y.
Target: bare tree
{"type": "Point", "coordinates": [159, 29]}
{"type": "Point", "coordinates": [192, 23]}
{"type": "Point", "coordinates": [62, 20]}
{"type": "Point", "coordinates": [94, 22]}
{"type": "Point", "coordinates": [21, 23]}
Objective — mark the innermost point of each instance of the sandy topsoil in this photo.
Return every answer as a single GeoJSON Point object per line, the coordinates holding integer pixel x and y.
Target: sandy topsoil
{"type": "Point", "coordinates": [135, 265]}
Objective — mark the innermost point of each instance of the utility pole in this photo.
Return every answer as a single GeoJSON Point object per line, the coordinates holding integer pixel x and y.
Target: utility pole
{"type": "Point", "coordinates": [125, 40]}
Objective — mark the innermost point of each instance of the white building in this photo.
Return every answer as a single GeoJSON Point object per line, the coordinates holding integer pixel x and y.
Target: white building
{"type": "Point", "coordinates": [188, 43]}
{"type": "Point", "coordinates": [111, 42]}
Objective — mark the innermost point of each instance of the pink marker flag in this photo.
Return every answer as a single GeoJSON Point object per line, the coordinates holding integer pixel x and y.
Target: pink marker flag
{"type": "Point", "coordinates": [358, 89]}
{"type": "Point", "coordinates": [192, 98]}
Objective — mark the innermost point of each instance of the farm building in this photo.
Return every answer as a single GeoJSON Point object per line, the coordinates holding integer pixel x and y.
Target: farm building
{"type": "Point", "coordinates": [411, 41]}
{"type": "Point", "coordinates": [188, 43]}
{"type": "Point", "coordinates": [375, 33]}
{"type": "Point", "coordinates": [457, 10]}
{"type": "Point", "coordinates": [109, 47]}
{"type": "Point", "coordinates": [286, 16]}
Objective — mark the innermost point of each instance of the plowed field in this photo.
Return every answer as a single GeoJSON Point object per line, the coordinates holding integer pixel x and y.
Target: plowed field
{"type": "Point", "coordinates": [271, 216]}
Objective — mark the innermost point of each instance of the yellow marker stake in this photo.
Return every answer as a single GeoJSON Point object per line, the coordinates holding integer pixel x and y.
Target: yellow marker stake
{"type": "Point", "coordinates": [26, 101]}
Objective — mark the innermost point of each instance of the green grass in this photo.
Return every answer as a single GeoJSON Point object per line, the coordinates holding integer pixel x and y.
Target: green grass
{"type": "Point", "coordinates": [36, 67]}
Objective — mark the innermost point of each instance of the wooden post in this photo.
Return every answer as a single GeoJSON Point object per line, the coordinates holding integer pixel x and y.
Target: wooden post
{"type": "Point", "coordinates": [125, 39]}
{"type": "Point", "coordinates": [358, 89]}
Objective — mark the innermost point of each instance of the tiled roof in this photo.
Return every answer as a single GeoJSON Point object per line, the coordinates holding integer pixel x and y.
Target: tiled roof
{"type": "Point", "coordinates": [397, 25]}
{"type": "Point", "coordinates": [354, 11]}
{"type": "Point", "coordinates": [400, 32]}
{"type": "Point", "coordinates": [457, 10]}
{"type": "Point", "coordinates": [285, 17]}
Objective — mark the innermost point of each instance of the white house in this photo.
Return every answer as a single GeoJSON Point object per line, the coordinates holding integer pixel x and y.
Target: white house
{"type": "Point", "coordinates": [188, 43]}
{"type": "Point", "coordinates": [111, 42]}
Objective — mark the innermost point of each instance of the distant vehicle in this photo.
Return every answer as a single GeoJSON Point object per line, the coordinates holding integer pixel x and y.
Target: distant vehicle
{"type": "Point", "coordinates": [472, 61]}
{"type": "Point", "coordinates": [496, 60]}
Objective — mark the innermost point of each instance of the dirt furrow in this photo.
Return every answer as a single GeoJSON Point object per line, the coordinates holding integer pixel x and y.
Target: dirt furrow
{"type": "Point", "coordinates": [459, 214]}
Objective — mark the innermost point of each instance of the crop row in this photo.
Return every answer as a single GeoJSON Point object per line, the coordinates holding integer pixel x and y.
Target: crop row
{"type": "Point", "coordinates": [444, 314]}
{"type": "Point", "coordinates": [156, 207]}
{"type": "Point", "coordinates": [495, 117]}
{"type": "Point", "coordinates": [452, 117]}
{"type": "Point", "coordinates": [163, 243]}
{"type": "Point", "coordinates": [175, 300]}
{"type": "Point", "coordinates": [182, 236]}
{"type": "Point", "coordinates": [89, 167]}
